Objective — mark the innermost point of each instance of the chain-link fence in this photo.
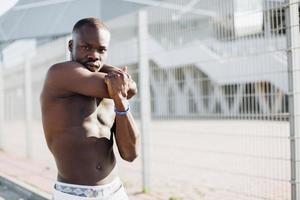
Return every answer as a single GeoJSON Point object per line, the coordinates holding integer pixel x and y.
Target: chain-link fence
{"type": "Point", "coordinates": [223, 96]}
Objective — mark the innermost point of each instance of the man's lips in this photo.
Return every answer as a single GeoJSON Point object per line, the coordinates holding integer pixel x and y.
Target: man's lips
{"type": "Point", "coordinates": [92, 66]}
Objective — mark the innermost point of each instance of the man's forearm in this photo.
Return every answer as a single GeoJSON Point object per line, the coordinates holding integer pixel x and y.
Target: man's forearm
{"type": "Point", "coordinates": [108, 68]}
{"type": "Point", "coordinates": [127, 136]}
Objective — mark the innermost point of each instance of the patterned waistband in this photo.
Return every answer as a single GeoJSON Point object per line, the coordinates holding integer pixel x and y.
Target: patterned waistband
{"type": "Point", "coordinates": [89, 191]}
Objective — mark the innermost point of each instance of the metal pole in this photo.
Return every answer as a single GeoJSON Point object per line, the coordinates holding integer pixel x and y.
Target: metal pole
{"type": "Point", "coordinates": [1, 107]}
{"type": "Point", "coordinates": [28, 108]}
{"type": "Point", "coordinates": [266, 19]}
{"type": "Point", "coordinates": [293, 43]}
{"type": "Point", "coordinates": [144, 95]}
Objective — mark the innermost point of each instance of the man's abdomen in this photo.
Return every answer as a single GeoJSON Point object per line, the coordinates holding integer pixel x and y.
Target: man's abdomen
{"type": "Point", "coordinates": [88, 162]}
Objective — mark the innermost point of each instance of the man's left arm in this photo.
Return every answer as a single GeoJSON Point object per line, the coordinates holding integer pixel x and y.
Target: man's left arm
{"type": "Point", "coordinates": [132, 85]}
{"type": "Point", "coordinates": [126, 132]}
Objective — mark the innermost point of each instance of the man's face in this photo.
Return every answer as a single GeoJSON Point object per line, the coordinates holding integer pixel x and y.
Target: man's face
{"type": "Point", "coordinates": [89, 47]}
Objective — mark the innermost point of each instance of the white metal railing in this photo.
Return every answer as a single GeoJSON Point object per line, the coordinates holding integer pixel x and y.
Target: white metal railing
{"type": "Point", "coordinates": [220, 98]}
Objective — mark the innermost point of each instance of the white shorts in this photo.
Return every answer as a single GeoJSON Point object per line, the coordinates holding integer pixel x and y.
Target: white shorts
{"type": "Point", "coordinates": [111, 191]}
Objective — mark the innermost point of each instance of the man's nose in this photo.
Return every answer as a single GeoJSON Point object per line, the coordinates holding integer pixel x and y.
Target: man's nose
{"type": "Point", "coordinates": [93, 55]}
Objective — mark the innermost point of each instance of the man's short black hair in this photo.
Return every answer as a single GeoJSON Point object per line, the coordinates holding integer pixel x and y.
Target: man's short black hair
{"type": "Point", "coordinates": [91, 22]}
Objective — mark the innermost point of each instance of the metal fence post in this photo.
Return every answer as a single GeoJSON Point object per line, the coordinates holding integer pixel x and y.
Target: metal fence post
{"type": "Point", "coordinates": [28, 107]}
{"type": "Point", "coordinates": [293, 41]}
{"type": "Point", "coordinates": [1, 107]}
{"type": "Point", "coordinates": [144, 91]}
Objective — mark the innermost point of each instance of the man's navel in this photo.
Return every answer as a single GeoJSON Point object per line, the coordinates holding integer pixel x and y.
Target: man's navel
{"type": "Point", "coordinates": [99, 167]}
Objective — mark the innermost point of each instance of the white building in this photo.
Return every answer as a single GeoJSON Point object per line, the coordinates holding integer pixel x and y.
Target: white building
{"type": "Point", "coordinates": [208, 58]}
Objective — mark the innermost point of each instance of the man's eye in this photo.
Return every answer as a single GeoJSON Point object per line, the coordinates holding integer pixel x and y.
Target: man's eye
{"type": "Point", "coordinates": [85, 48]}
{"type": "Point", "coordinates": [102, 50]}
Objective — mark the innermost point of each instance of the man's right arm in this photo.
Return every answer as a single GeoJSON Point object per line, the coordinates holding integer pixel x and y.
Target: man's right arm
{"type": "Point", "coordinates": [72, 77]}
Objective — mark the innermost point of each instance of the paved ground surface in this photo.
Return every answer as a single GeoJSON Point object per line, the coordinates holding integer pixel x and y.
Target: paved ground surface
{"type": "Point", "coordinates": [34, 174]}
{"type": "Point", "coordinates": [7, 194]}
{"type": "Point", "coordinates": [189, 160]}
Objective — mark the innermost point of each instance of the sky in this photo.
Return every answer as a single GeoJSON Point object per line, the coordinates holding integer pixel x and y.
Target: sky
{"type": "Point", "coordinates": [5, 5]}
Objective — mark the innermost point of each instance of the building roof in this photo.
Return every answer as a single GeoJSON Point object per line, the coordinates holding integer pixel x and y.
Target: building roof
{"type": "Point", "coordinates": [44, 18]}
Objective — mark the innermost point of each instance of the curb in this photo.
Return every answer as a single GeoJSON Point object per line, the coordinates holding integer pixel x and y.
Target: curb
{"type": "Point", "coordinates": [28, 191]}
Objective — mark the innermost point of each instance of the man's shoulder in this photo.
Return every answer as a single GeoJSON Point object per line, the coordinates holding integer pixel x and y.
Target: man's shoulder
{"type": "Point", "coordinates": [67, 65]}
{"type": "Point", "coordinates": [58, 75]}
{"type": "Point", "coordinates": [65, 70]}
{"type": "Point", "coordinates": [60, 72]}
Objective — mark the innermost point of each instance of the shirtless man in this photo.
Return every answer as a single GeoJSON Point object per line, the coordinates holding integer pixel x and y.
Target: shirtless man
{"type": "Point", "coordinates": [72, 92]}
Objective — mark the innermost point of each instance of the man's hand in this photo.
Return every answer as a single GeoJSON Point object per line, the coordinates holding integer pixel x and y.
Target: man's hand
{"type": "Point", "coordinates": [132, 85]}
{"type": "Point", "coordinates": [118, 84]}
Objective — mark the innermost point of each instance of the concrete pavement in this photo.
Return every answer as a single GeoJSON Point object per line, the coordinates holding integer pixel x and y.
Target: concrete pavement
{"type": "Point", "coordinates": [37, 177]}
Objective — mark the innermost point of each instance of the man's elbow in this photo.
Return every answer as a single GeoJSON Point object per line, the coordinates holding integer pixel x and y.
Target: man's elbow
{"type": "Point", "coordinates": [131, 152]}
{"type": "Point", "coordinates": [132, 91]}
{"type": "Point", "coordinates": [129, 157]}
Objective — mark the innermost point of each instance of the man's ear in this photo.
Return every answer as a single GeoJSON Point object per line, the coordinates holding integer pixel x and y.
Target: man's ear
{"type": "Point", "coordinates": [70, 46]}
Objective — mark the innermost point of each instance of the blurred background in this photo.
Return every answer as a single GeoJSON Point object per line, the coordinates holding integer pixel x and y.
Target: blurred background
{"type": "Point", "coordinates": [218, 103]}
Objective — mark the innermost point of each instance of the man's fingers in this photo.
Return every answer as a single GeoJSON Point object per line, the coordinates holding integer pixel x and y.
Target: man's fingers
{"type": "Point", "coordinates": [124, 69]}
{"type": "Point", "coordinates": [122, 72]}
{"type": "Point", "coordinates": [114, 74]}
{"type": "Point", "coordinates": [106, 78]}
{"type": "Point", "coordinates": [110, 77]}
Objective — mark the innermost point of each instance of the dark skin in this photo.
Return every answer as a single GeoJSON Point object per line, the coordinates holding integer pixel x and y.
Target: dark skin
{"type": "Point", "coordinates": [72, 91]}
